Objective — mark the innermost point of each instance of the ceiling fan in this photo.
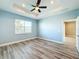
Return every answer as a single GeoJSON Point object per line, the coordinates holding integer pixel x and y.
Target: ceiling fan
{"type": "Point", "coordinates": [25, 10]}
{"type": "Point", "coordinates": [37, 7]}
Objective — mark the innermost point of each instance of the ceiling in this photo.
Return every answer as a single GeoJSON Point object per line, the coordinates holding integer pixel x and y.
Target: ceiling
{"type": "Point", "coordinates": [54, 8]}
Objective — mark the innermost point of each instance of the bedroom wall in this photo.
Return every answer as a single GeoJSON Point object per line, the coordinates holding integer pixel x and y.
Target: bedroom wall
{"type": "Point", "coordinates": [7, 27]}
{"type": "Point", "coordinates": [51, 28]}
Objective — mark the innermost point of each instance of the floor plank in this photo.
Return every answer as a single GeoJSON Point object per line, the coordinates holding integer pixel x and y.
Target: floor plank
{"type": "Point", "coordinates": [38, 49]}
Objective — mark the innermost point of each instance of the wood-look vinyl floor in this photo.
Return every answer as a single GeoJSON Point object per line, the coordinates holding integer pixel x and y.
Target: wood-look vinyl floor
{"type": "Point", "coordinates": [38, 49]}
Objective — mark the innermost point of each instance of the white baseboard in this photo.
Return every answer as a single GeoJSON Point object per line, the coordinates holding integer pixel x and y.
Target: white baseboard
{"type": "Point", "coordinates": [77, 48]}
{"type": "Point", "coordinates": [10, 43]}
{"type": "Point", "coordinates": [51, 40]}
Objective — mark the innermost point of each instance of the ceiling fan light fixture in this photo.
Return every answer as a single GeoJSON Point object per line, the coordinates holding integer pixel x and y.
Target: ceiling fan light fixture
{"type": "Point", "coordinates": [36, 8]}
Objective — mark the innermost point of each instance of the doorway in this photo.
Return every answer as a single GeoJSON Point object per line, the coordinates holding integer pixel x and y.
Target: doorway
{"type": "Point", "coordinates": [70, 33]}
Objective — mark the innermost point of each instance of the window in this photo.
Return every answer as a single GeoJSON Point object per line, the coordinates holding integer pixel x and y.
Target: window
{"type": "Point", "coordinates": [22, 26]}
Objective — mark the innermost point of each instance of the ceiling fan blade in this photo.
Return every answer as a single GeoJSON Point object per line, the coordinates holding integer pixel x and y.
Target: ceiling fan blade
{"type": "Point", "coordinates": [43, 7]}
{"type": "Point", "coordinates": [38, 2]}
{"type": "Point", "coordinates": [39, 10]}
{"type": "Point", "coordinates": [33, 6]}
{"type": "Point", "coordinates": [33, 9]}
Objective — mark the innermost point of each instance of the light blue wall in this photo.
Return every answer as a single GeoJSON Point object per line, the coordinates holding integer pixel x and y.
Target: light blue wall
{"type": "Point", "coordinates": [7, 27]}
{"type": "Point", "coordinates": [52, 27]}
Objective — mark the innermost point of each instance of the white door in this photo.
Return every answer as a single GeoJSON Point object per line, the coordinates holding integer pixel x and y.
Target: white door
{"type": "Point", "coordinates": [77, 33]}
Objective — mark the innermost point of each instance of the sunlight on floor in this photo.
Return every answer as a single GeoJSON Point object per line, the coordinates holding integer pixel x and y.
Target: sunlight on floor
{"type": "Point", "coordinates": [71, 42]}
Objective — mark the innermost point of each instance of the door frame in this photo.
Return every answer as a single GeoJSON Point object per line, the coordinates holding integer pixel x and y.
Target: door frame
{"type": "Point", "coordinates": [68, 20]}
{"type": "Point", "coordinates": [77, 22]}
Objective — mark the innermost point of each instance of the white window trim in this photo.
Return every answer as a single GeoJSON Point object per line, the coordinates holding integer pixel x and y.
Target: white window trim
{"type": "Point", "coordinates": [24, 32]}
